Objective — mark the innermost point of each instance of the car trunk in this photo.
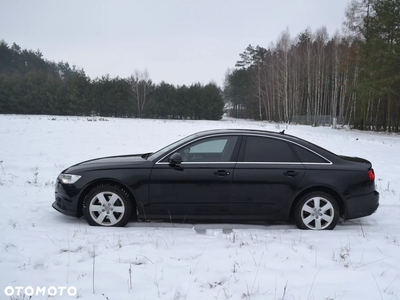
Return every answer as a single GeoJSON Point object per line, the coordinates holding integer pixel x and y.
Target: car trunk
{"type": "Point", "coordinates": [357, 159]}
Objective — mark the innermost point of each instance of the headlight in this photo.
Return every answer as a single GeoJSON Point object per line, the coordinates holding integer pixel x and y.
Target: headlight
{"type": "Point", "coordinates": [69, 178]}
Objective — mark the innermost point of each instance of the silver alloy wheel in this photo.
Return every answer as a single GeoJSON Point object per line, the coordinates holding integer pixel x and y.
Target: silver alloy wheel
{"type": "Point", "coordinates": [317, 213]}
{"type": "Point", "coordinates": [106, 208]}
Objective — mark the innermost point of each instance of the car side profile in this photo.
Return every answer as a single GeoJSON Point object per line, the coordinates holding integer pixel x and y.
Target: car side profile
{"type": "Point", "coordinates": [232, 175]}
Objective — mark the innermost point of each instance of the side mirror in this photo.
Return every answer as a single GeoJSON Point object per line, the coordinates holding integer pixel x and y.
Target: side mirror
{"type": "Point", "coordinates": [175, 159]}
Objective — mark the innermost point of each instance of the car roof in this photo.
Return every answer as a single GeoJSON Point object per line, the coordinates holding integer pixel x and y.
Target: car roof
{"type": "Point", "coordinates": [280, 135]}
{"type": "Point", "coordinates": [249, 131]}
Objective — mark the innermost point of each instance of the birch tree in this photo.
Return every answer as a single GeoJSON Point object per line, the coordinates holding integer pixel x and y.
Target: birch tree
{"type": "Point", "coordinates": [140, 87]}
{"type": "Point", "coordinates": [282, 47]}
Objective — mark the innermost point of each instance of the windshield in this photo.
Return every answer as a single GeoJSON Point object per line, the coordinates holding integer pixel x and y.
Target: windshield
{"type": "Point", "coordinates": [160, 153]}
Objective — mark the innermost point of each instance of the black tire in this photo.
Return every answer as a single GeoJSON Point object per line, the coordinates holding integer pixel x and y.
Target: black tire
{"type": "Point", "coordinates": [107, 205]}
{"type": "Point", "coordinates": [316, 211]}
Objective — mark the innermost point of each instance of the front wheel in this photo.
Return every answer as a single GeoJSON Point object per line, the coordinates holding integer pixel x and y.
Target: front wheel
{"type": "Point", "coordinates": [107, 206]}
{"type": "Point", "coordinates": [316, 211]}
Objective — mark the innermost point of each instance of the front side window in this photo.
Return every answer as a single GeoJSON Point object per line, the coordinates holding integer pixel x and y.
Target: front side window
{"type": "Point", "coordinates": [261, 149]}
{"type": "Point", "coordinates": [165, 150]}
{"type": "Point", "coordinates": [217, 149]}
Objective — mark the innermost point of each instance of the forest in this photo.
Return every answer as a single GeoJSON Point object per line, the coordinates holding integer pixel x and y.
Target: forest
{"type": "Point", "coordinates": [352, 77]}
{"type": "Point", "coordinates": [29, 84]}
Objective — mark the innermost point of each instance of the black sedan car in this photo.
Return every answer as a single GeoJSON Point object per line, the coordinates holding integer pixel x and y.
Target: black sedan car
{"type": "Point", "coordinates": [239, 175]}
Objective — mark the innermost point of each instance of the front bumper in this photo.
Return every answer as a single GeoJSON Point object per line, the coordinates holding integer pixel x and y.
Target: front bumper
{"type": "Point", "coordinates": [63, 207]}
{"type": "Point", "coordinates": [66, 199]}
{"type": "Point", "coordinates": [362, 206]}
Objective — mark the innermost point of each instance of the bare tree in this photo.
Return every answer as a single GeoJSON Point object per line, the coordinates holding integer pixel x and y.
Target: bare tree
{"type": "Point", "coordinates": [282, 47]}
{"type": "Point", "coordinates": [335, 74]}
{"type": "Point", "coordinates": [321, 38]}
{"type": "Point", "coordinates": [356, 14]}
{"type": "Point", "coordinates": [140, 88]}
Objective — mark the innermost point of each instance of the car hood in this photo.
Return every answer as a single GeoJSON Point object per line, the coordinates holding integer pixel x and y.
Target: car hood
{"type": "Point", "coordinates": [112, 162]}
{"type": "Point", "coordinates": [356, 159]}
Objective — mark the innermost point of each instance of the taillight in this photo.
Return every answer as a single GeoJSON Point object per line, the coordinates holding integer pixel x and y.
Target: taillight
{"type": "Point", "coordinates": [371, 174]}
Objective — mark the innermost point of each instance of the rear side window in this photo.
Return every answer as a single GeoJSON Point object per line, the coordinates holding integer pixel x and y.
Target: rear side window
{"type": "Point", "coordinates": [260, 149]}
{"type": "Point", "coordinates": [307, 156]}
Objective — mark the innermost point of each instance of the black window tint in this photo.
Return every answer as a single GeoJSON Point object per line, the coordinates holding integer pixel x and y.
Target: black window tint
{"type": "Point", "coordinates": [260, 149]}
{"type": "Point", "coordinates": [307, 156]}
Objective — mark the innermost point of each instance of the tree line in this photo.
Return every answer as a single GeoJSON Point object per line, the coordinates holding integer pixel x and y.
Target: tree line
{"type": "Point", "coordinates": [30, 84]}
{"type": "Point", "coordinates": [354, 76]}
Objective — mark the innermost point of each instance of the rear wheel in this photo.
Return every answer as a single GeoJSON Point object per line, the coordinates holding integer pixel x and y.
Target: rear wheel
{"type": "Point", "coordinates": [317, 211]}
{"type": "Point", "coordinates": [107, 206]}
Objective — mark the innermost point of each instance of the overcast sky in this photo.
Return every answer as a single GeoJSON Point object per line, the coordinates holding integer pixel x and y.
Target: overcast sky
{"type": "Point", "coordinates": [180, 42]}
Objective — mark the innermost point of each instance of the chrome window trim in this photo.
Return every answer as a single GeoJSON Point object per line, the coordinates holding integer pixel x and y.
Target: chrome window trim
{"type": "Point", "coordinates": [328, 162]}
{"type": "Point", "coordinates": [280, 163]}
{"type": "Point", "coordinates": [324, 164]}
{"type": "Point", "coordinates": [200, 162]}
{"type": "Point", "coordinates": [268, 163]}
{"type": "Point", "coordinates": [245, 163]}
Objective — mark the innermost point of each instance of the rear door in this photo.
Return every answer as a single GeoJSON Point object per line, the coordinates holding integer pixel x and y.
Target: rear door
{"type": "Point", "coordinates": [266, 176]}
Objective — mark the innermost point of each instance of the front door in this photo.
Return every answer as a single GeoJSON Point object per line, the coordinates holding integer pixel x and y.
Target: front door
{"type": "Point", "coordinates": [199, 186]}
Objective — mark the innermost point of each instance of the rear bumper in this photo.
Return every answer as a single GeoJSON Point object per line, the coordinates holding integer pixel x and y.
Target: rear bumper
{"type": "Point", "coordinates": [362, 206]}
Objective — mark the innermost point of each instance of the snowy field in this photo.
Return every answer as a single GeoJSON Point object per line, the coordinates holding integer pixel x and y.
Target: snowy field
{"type": "Point", "coordinates": [40, 247]}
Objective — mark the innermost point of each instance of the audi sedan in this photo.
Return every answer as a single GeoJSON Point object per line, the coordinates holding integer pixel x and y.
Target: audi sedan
{"type": "Point", "coordinates": [232, 175]}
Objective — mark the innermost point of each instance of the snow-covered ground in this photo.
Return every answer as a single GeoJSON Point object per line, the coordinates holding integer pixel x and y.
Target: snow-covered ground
{"type": "Point", "coordinates": [40, 247]}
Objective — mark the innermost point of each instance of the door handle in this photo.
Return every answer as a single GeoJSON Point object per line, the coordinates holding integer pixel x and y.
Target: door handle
{"type": "Point", "coordinates": [221, 173]}
{"type": "Point", "coordinates": [290, 173]}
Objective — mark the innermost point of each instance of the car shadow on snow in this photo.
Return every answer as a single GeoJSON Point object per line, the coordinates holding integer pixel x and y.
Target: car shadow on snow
{"type": "Point", "coordinates": [228, 227]}
{"type": "Point", "coordinates": [225, 227]}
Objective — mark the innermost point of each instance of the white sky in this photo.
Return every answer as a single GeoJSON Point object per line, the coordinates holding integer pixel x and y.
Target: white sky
{"type": "Point", "coordinates": [180, 42]}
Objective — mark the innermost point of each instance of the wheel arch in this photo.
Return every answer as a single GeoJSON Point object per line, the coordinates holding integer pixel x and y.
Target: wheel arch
{"type": "Point", "coordinates": [339, 200]}
{"type": "Point", "coordinates": [105, 182]}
